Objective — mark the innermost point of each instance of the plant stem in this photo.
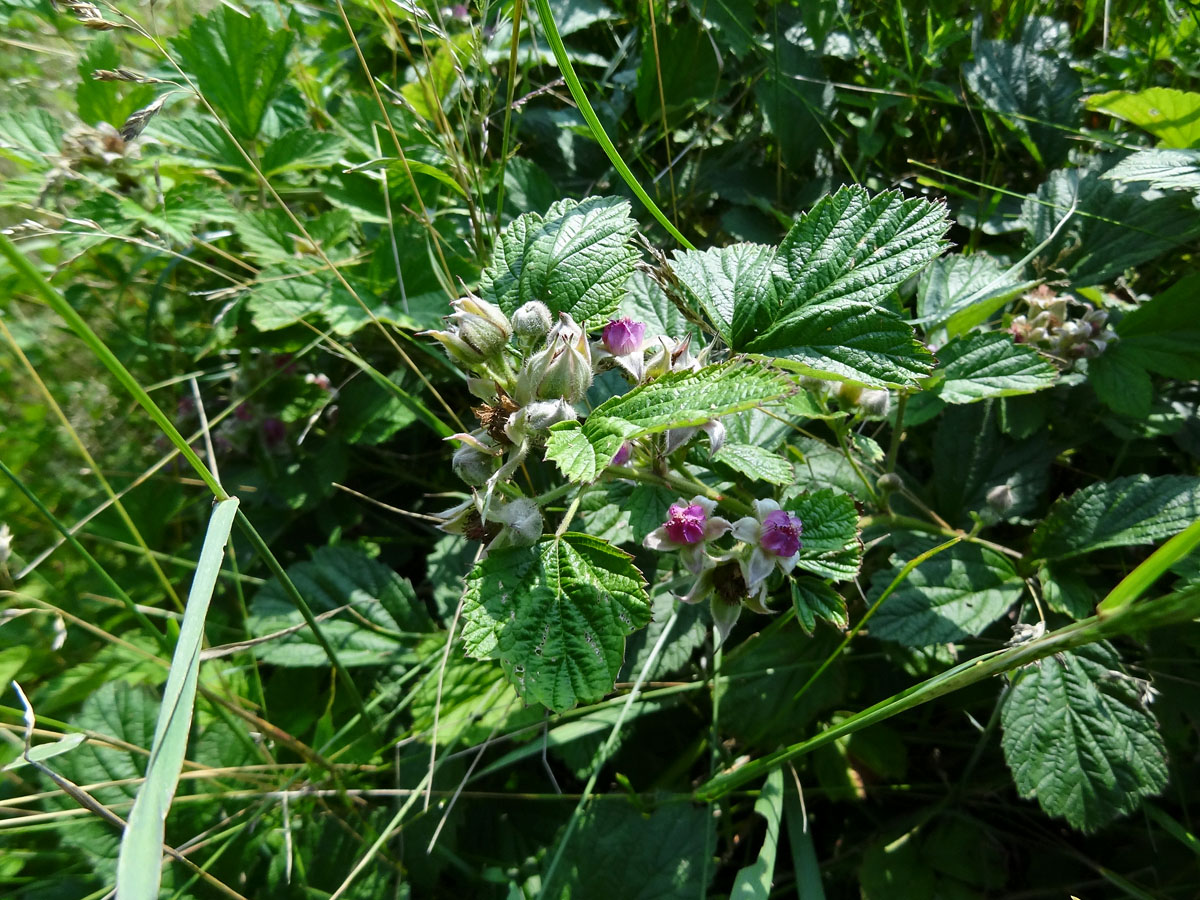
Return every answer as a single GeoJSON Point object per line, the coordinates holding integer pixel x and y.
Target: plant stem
{"type": "Point", "coordinates": [897, 433]}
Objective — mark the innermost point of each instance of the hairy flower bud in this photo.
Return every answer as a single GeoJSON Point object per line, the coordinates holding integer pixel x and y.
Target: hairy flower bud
{"type": "Point", "coordinates": [531, 323]}
{"type": "Point", "coordinates": [875, 403]}
{"type": "Point", "coordinates": [478, 331]}
{"type": "Point", "coordinates": [889, 482]}
{"type": "Point", "coordinates": [563, 371]}
{"type": "Point", "coordinates": [522, 521]}
{"type": "Point", "coordinates": [472, 465]}
{"type": "Point", "coordinates": [1000, 498]}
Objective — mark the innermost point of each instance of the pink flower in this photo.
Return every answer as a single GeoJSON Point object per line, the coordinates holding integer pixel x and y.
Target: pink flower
{"type": "Point", "coordinates": [622, 456]}
{"type": "Point", "coordinates": [689, 527]}
{"type": "Point", "coordinates": [781, 533]}
{"type": "Point", "coordinates": [623, 336]}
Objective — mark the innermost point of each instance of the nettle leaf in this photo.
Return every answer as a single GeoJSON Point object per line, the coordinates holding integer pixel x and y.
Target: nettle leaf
{"type": "Point", "coordinates": [991, 365]}
{"type": "Point", "coordinates": [239, 63]}
{"type": "Point", "coordinates": [722, 280]}
{"type": "Point", "coordinates": [1133, 510]}
{"type": "Point", "coordinates": [375, 610]}
{"type": "Point", "coordinates": [1163, 170]}
{"type": "Point", "coordinates": [955, 594]}
{"type": "Point", "coordinates": [672, 401]}
{"type": "Point", "coordinates": [830, 546]}
{"type": "Point", "coordinates": [820, 312]}
{"type": "Point", "coordinates": [814, 599]}
{"type": "Point", "coordinates": [960, 292]}
{"type": "Point", "coordinates": [755, 463]}
{"type": "Point", "coordinates": [576, 259]}
{"type": "Point", "coordinates": [1079, 738]}
{"type": "Point", "coordinates": [1171, 115]}
{"type": "Point", "coordinates": [556, 615]}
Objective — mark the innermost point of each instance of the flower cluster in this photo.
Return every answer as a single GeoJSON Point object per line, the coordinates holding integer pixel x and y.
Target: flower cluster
{"type": "Point", "coordinates": [768, 541]}
{"type": "Point", "coordinates": [1048, 325]}
{"type": "Point", "coordinates": [532, 371]}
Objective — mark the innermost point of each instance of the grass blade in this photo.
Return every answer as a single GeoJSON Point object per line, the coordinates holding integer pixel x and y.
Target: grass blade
{"type": "Point", "coordinates": [139, 867]}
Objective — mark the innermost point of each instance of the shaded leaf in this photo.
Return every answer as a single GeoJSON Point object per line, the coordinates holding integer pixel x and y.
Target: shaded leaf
{"type": "Point", "coordinates": [991, 365]}
{"type": "Point", "coordinates": [1079, 739]}
{"type": "Point", "coordinates": [814, 599]}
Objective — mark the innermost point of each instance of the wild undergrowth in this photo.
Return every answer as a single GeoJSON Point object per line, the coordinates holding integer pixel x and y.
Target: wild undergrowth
{"type": "Point", "coordinates": [576, 449]}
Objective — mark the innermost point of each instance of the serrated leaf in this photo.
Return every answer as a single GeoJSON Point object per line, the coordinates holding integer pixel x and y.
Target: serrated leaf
{"type": "Point", "coordinates": [1115, 226]}
{"type": "Point", "coordinates": [813, 599]}
{"type": "Point", "coordinates": [556, 615]}
{"type": "Point", "coordinates": [1164, 170]}
{"type": "Point", "coordinates": [302, 148]}
{"type": "Point", "coordinates": [755, 463]}
{"type": "Point", "coordinates": [1079, 739]}
{"type": "Point", "coordinates": [1133, 510]}
{"type": "Point", "coordinates": [239, 63]}
{"type": "Point", "coordinates": [646, 302]}
{"type": "Point", "coordinates": [1035, 93]}
{"type": "Point", "coordinates": [955, 594]}
{"type": "Point", "coordinates": [819, 311]}
{"type": "Point", "coordinates": [720, 280]}
{"type": "Point", "coordinates": [576, 259]}
{"type": "Point", "coordinates": [1066, 591]}
{"type": "Point", "coordinates": [1121, 384]}
{"type": "Point", "coordinates": [1163, 335]}
{"type": "Point", "coordinates": [830, 545]}
{"type": "Point", "coordinates": [991, 365]}
{"type": "Point", "coordinates": [960, 292]}
{"type": "Point", "coordinates": [673, 401]}
{"type": "Point", "coordinates": [1171, 115]}
{"type": "Point", "coordinates": [30, 136]}
{"type": "Point", "coordinates": [107, 101]}
{"type": "Point", "coordinates": [376, 609]}
{"type": "Point", "coordinates": [198, 142]}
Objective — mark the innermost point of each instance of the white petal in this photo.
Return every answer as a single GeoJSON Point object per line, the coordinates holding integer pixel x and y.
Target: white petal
{"type": "Point", "coordinates": [763, 508]}
{"type": "Point", "coordinates": [658, 539]}
{"type": "Point", "coordinates": [758, 569]}
{"type": "Point", "coordinates": [747, 529]}
{"type": "Point", "coordinates": [715, 527]}
{"type": "Point", "coordinates": [725, 616]}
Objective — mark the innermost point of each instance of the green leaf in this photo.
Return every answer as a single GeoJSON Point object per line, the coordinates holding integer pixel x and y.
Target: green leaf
{"type": "Point", "coordinates": [1113, 228]}
{"type": "Point", "coordinates": [813, 599]}
{"type": "Point", "coordinates": [1163, 170]}
{"type": "Point", "coordinates": [619, 851]}
{"type": "Point", "coordinates": [689, 74]}
{"type": "Point", "coordinates": [1079, 739]}
{"type": "Point", "coordinates": [402, 167]}
{"type": "Point", "coordinates": [239, 63]}
{"type": "Point", "coordinates": [302, 148]}
{"type": "Point", "coordinates": [576, 259]}
{"type": "Point", "coordinates": [991, 365]}
{"type": "Point", "coordinates": [43, 752]}
{"type": "Point", "coordinates": [1120, 383]}
{"type": "Point", "coordinates": [107, 101]}
{"type": "Point", "coordinates": [720, 280]}
{"type": "Point", "coordinates": [646, 302]}
{"type": "Point", "coordinates": [1171, 115]}
{"type": "Point", "coordinates": [672, 401]}
{"type": "Point", "coordinates": [556, 615]}
{"type": "Point", "coordinates": [281, 297]}
{"type": "Point", "coordinates": [371, 610]}
{"type": "Point", "coordinates": [954, 595]}
{"type": "Point", "coordinates": [1066, 591]}
{"type": "Point", "coordinates": [1163, 335]}
{"type": "Point", "coordinates": [1035, 94]}
{"type": "Point", "coordinates": [960, 292]}
{"type": "Point", "coordinates": [843, 257]}
{"type": "Point", "coordinates": [830, 546]}
{"type": "Point", "coordinates": [201, 143]}
{"type": "Point", "coordinates": [1133, 510]}
{"type": "Point", "coordinates": [755, 463]}
{"type": "Point", "coordinates": [139, 866]}
{"type": "Point", "coordinates": [429, 92]}
{"type": "Point", "coordinates": [30, 136]}
{"type": "Point", "coordinates": [754, 881]}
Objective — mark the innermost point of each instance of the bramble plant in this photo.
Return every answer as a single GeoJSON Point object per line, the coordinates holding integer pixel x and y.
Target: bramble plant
{"type": "Point", "coordinates": [809, 501]}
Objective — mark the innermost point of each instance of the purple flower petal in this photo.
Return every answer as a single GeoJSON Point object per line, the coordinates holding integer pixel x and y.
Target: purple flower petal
{"type": "Point", "coordinates": [623, 336]}
{"type": "Point", "coordinates": [781, 533]}
{"type": "Point", "coordinates": [685, 524]}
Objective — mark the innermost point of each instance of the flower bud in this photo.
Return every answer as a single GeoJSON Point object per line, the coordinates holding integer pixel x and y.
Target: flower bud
{"type": "Point", "coordinates": [531, 323]}
{"type": "Point", "coordinates": [849, 392]}
{"type": "Point", "coordinates": [481, 325]}
{"type": "Point", "coordinates": [622, 455]}
{"type": "Point", "coordinates": [562, 371]}
{"type": "Point", "coordinates": [473, 465]}
{"type": "Point", "coordinates": [875, 403]}
{"type": "Point", "coordinates": [522, 521]}
{"type": "Point", "coordinates": [622, 337]}
{"type": "Point", "coordinates": [888, 483]}
{"type": "Point", "coordinates": [1000, 499]}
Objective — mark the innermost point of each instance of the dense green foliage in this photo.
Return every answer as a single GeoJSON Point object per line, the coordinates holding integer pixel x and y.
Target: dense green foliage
{"type": "Point", "coordinates": [518, 330]}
